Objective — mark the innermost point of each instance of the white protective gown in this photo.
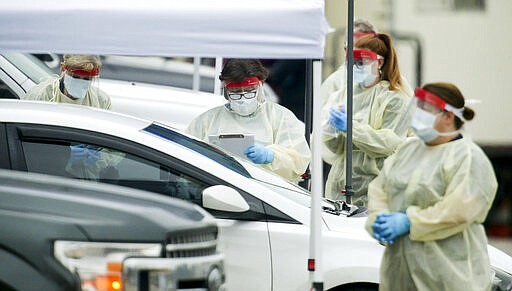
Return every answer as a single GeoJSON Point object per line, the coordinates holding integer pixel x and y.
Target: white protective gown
{"type": "Point", "coordinates": [273, 126]}
{"type": "Point", "coordinates": [446, 191]}
{"type": "Point", "coordinates": [49, 91]}
{"type": "Point", "coordinates": [379, 126]}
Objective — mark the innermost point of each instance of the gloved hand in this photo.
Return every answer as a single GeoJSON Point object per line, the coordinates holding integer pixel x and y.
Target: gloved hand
{"type": "Point", "coordinates": [378, 226]}
{"type": "Point", "coordinates": [259, 154]}
{"type": "Point", "coordinates": [338, 119]}
{"type": "Point", "coordinates": [388, 226]}
{"type": "Point", "coordinates": [81, 153]}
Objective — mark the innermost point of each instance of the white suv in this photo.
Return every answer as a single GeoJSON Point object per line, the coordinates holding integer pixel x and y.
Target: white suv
{"type": "Point", "coordinates": [264, 221]}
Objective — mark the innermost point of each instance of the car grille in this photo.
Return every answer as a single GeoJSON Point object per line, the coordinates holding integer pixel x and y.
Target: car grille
{"type": "Point", "coordinates": [192, 243]}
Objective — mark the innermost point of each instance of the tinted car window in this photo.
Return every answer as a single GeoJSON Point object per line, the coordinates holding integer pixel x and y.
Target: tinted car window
{"type": "Point", "coordinates": [6, 92]}
{"type": "Point", "coordinates": [110, 166]}
{"type": "Point", "coordinates": [49, 150]}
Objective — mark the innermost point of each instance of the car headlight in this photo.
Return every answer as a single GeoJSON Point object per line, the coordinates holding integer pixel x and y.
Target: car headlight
{"type": "Point", "coordinates": [98, 264]}
{"type": "Point", "coordinates": [502, 281]}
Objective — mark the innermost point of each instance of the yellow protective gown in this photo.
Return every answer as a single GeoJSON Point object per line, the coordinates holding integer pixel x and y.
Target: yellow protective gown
{"type": "Point", "coordinates": [379, 127]}
{"type": "Point", "coordinates": [49, 91]}
{"type": "Point", "coordinates": [273, 126]}
{"type": "Point", "coordinates": [446, 191]}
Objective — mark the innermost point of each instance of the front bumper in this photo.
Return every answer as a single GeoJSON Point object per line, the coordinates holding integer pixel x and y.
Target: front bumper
{"type": "Point", "coordinates": [190, 273]}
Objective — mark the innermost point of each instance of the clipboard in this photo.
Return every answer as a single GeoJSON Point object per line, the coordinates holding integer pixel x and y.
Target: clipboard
{"type": "Point", "coordinates": [235, 143]}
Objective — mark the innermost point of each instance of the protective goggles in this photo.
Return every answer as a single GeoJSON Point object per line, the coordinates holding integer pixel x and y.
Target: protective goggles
{"type": "Point", "coordinates": [433, 103]}
{"type": "Point", "coordinates": [248, 88]}
{"type": "Point", "coordinates": [83, 74]}
{"type": "Point", "coordinates": [365, 57]}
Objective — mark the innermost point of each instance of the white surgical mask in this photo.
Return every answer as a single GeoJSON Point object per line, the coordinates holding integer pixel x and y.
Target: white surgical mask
{"type": "Point", "coordinates": [422, 124]}
{"type": "Point", "coordinates": [244, 107]}
{"type": "Point", "coordinates": [363, 75]}
{"type": "Point", "coordinates": [76, 87]}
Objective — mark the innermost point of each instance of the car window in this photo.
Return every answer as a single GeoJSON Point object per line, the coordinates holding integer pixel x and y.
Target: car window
{"type": "Point", "coordinates": [90, 162]}
{"type": "Point", "coordinates": [31, 66]}
{"type": "Point", "coordinates": [6, 91]}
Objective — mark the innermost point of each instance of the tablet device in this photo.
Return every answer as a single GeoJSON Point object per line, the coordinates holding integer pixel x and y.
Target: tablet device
{"type": "Point", "coordinates": [235, 143]}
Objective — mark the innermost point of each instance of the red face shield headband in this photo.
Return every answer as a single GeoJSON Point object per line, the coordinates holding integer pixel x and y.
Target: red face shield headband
{"type": "Point", "coordinates": [251, 81]}
{"type": "Point", "coordinates": [365, 54]}
{"type": "Point", "coordinates": [83, 73]}
{"type": "Point", "coordinates": [358, 35]}
{"type": "Point", "coordinates": [437, 101]}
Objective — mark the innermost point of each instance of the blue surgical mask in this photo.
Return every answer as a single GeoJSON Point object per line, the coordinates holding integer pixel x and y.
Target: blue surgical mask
{"type": "Point", "coordinates": [422, 124]}
{"type": "Point", "coordinates": [363, 75]}
{"type": "Point", "coordinates": [76, 87]}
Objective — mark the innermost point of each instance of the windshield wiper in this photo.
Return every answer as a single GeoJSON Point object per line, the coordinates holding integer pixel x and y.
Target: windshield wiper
{"type": "Point", "coordinates": [342, 207]}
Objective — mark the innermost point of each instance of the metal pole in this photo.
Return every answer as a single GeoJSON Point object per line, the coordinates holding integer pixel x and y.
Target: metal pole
{"type": "Point", "coordinates": [315, 228]}
{"type": "Point", "coordinates": [308, 112]}
{"type": "Point", "coordinates": [195, 80]}
{"type": "Point", "coordinates": [216, 80]}
{"type": "Point", "coordinates": [350, 85]}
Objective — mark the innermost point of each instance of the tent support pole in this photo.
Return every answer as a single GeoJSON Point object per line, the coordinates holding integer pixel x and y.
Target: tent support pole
{"type": "Point", "coordinates": [315, 251]}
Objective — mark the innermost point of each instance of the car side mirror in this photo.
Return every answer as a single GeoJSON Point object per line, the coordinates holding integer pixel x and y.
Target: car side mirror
{"type": "Point", "coordinates": [224, 198]}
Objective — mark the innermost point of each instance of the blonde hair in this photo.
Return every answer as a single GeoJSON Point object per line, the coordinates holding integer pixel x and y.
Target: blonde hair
{"type": "Point", "coordinates": [82, 62]}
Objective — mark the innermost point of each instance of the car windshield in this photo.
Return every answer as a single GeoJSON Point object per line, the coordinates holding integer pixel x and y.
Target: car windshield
{"type": "Point", "coordinates": [289, 190]}
{"type": "Point", "coordinates": [197, 146]}
{"type": "Point", "coordinates": [245, 168]}
{"type": "Point", "coordinates": [31, 66]}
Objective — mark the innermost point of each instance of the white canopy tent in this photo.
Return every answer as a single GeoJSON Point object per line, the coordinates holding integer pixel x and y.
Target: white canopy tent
{"type": "Point", "coordinates": [274, 29]}
{"type": "Point", "coordinates": [278, 29]}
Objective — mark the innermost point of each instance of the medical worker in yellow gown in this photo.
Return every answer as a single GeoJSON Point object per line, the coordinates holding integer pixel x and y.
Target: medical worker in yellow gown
{"type": "Point", "coordinates": [379, 121]}
{"type": "Point", "coordinates": [430, 200]}
{"type": "Point", "coordinates": [280, 145]}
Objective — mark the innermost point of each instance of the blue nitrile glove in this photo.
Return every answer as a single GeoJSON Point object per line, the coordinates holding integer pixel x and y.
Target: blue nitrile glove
{"type": "Point", "coordinates": [338, 119]}
{"type": "Point", "coordinates": [81, 153]}
{"type": "Point", "coordinates": [388, 226]}
{"type": "Point", "coordinates": [259, 154]}
{"type": "Point", "coordinates": [378, 226]}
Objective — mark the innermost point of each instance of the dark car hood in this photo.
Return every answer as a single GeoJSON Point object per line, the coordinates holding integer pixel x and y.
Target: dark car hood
{"type": "Point", "coordinates": [96, 211]}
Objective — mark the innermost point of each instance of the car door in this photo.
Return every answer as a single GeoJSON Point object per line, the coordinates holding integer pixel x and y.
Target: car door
{"type": "Point", "coordinates": [243, 237]}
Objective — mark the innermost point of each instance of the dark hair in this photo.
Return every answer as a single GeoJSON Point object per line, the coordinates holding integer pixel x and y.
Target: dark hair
{"type": "Point", "coordinates": [237, 70]}
{"type": "Point", "coordinates": [452, 95]}
{"type": "Point", "coordinates": [380, 43]}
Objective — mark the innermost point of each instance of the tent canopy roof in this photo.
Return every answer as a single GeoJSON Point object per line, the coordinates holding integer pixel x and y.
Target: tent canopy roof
{"type": "Point", "coordinates": [288, 29]}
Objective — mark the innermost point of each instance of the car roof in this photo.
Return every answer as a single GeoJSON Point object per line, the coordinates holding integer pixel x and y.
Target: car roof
{"type": "Point", "coordinates": [65, 115]}
{"type": "Point", "coordinates": [101, 121]}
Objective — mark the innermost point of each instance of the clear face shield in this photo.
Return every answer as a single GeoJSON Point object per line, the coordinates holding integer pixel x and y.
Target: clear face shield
{"type": "Point", "coordinates": [424, 110]}
{"type": "Point", "coordinates": [78, 82]}
{"type": "Point", "coordinates": [364, 63]}
{"type": "Point", "coordinates": [244, 97]}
